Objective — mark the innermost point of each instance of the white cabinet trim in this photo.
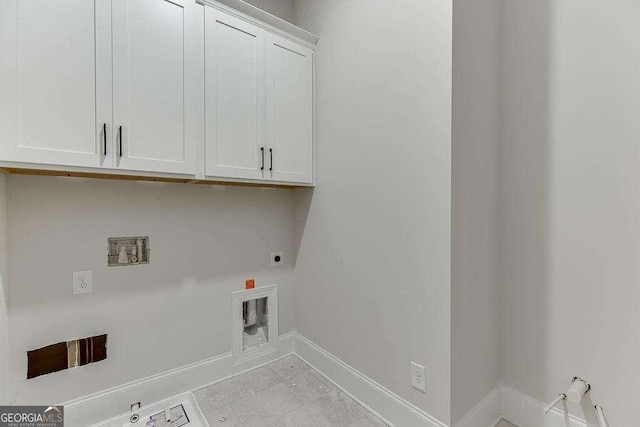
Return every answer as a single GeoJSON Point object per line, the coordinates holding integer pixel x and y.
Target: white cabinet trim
{"type": "Point", "coordinates": [259, 17]}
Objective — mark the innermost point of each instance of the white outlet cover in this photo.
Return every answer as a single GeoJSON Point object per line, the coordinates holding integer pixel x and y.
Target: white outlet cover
{"type": "Point", "coordinates": [82, 282]}
{"type": "Point", "coordinates": [418, 377]}
{"type": "Point", "coordinates": [275, 263]}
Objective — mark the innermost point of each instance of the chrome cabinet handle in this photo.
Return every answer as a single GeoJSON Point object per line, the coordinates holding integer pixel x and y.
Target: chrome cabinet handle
{"type": "Point", "coordinates": [262, 152]}
{"type": "Point", "coordinates": [271, 155]}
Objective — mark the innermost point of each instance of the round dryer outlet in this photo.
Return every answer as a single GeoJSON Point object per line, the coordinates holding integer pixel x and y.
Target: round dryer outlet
{"type": "Point", "coordinates": [277, 259]}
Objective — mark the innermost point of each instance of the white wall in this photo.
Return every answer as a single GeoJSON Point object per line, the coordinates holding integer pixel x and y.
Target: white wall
{"type": "Point", "coordinates": [4, 291]}
{"type": "Point", "coordinates": [524, 201]}
{"type": "Point", "coordinates": [474, 282]}
{"type": "Point", "coordinates": [373, 268]}
{"type": "Point", "coordinates": [204, 242]}
{"type": "Point", "coordinates": [570, 198]}
{"type": "Point", "coordinates": [283, 9]}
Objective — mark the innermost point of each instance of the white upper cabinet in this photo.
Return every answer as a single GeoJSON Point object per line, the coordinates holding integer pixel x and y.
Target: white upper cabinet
{"type": "Point", "coordinates": [52, 100]}
{"type": "Point", "coordinates": [234, 97]}
{"type": "Point", "coordinates": [258, 102]}
{"type": "Point", "coordinates": [166, 88]}
{"type": "Point", "coordinates": [154, 85]}
{"type": "Point", "coordinates": [289, 110]}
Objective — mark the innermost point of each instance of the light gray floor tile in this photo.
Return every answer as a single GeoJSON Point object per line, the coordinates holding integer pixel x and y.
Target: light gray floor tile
{"type": "Point", "coordinates": [221, 417]}
{"type": "Point", "coordinates": [308, 386]}
{"type": "Point", "coordinates": [334, 409]}
{"type": "Point", "coordinates": [289, 367]}
{"type": "Point", "coordinates": [505, 423]}
{"type": "Point", "coordinates": [287, 393]}
{"type": "Point", "coordinates": [325, 382]}
{"type": "Point", "coordinates": [236, 388]}
{"type": "Point", "coordinates": [305, 417]}
{"type": "Point", "coordinates": [266, 407]}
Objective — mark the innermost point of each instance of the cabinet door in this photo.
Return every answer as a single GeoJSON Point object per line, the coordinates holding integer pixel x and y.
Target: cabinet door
{"type": "Point", "coordinates": [234, 97]}
{"type": "Point", "coordinates": [154, 85]}
{"type": "Point", "coordinates": [289, 110]}
{"type": "Point", "coordinates": [53, 99]}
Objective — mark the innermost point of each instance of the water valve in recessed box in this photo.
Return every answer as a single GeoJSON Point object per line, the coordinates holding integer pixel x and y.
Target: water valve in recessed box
{"type": "Point", "coordinates": [128, 251]}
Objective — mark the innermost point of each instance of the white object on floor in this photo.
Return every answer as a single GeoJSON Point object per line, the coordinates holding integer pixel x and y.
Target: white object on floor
{"type": "Point", "coordinates": [167, 414]}
{"type": "Point", "coordinates": [183, 411]}
{"type": "Point", "coordinates": [601, 418]}
{"type": "Point", "coordinates": [518, 409]}
{"type": "Point", "coordinates": [575, 393]}
{"type": "Point", "coordinates": [555, 401]}
{"type": "Point", "coordinates": [526, 411]}
{"type": "Point", "coordinates": [577, 390]}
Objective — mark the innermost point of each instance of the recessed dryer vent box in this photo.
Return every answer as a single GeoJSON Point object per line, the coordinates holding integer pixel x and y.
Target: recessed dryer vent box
{"type": "Point", "coordinates": [124, 251]}
{"type": "Point", "coordinates": [255, 323]}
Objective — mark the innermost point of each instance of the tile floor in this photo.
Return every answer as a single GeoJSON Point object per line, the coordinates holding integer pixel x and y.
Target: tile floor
{"type": "Point", "coordinates": [286, 393]}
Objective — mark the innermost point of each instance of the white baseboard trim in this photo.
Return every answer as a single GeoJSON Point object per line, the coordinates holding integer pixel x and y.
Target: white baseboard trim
{"type": "Point", "coordinates": [525, 411]}
{"type": "Point", "coordinates": [106, 404]}
{"type": "Point", "coordinates": [487, 413]}
{"type": "Point", "coordinates": [379, 400]}
{"type": "Point", "coordinates": [517, 408]}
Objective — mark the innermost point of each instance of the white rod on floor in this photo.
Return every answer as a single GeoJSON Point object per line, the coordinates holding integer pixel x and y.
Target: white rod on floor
{"type": "Point", "coordinates": [557, 400]}
{"type": "Point", "coordinates": [601, 419]}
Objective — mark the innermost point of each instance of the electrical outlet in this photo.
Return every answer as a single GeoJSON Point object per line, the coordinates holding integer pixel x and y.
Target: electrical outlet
{"type": "Point", "coordinates": [418, 377]}
{"type": "Point", "coordinates": [277, 259]}
{"type": "Point", "coordinates": [82, 282]}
